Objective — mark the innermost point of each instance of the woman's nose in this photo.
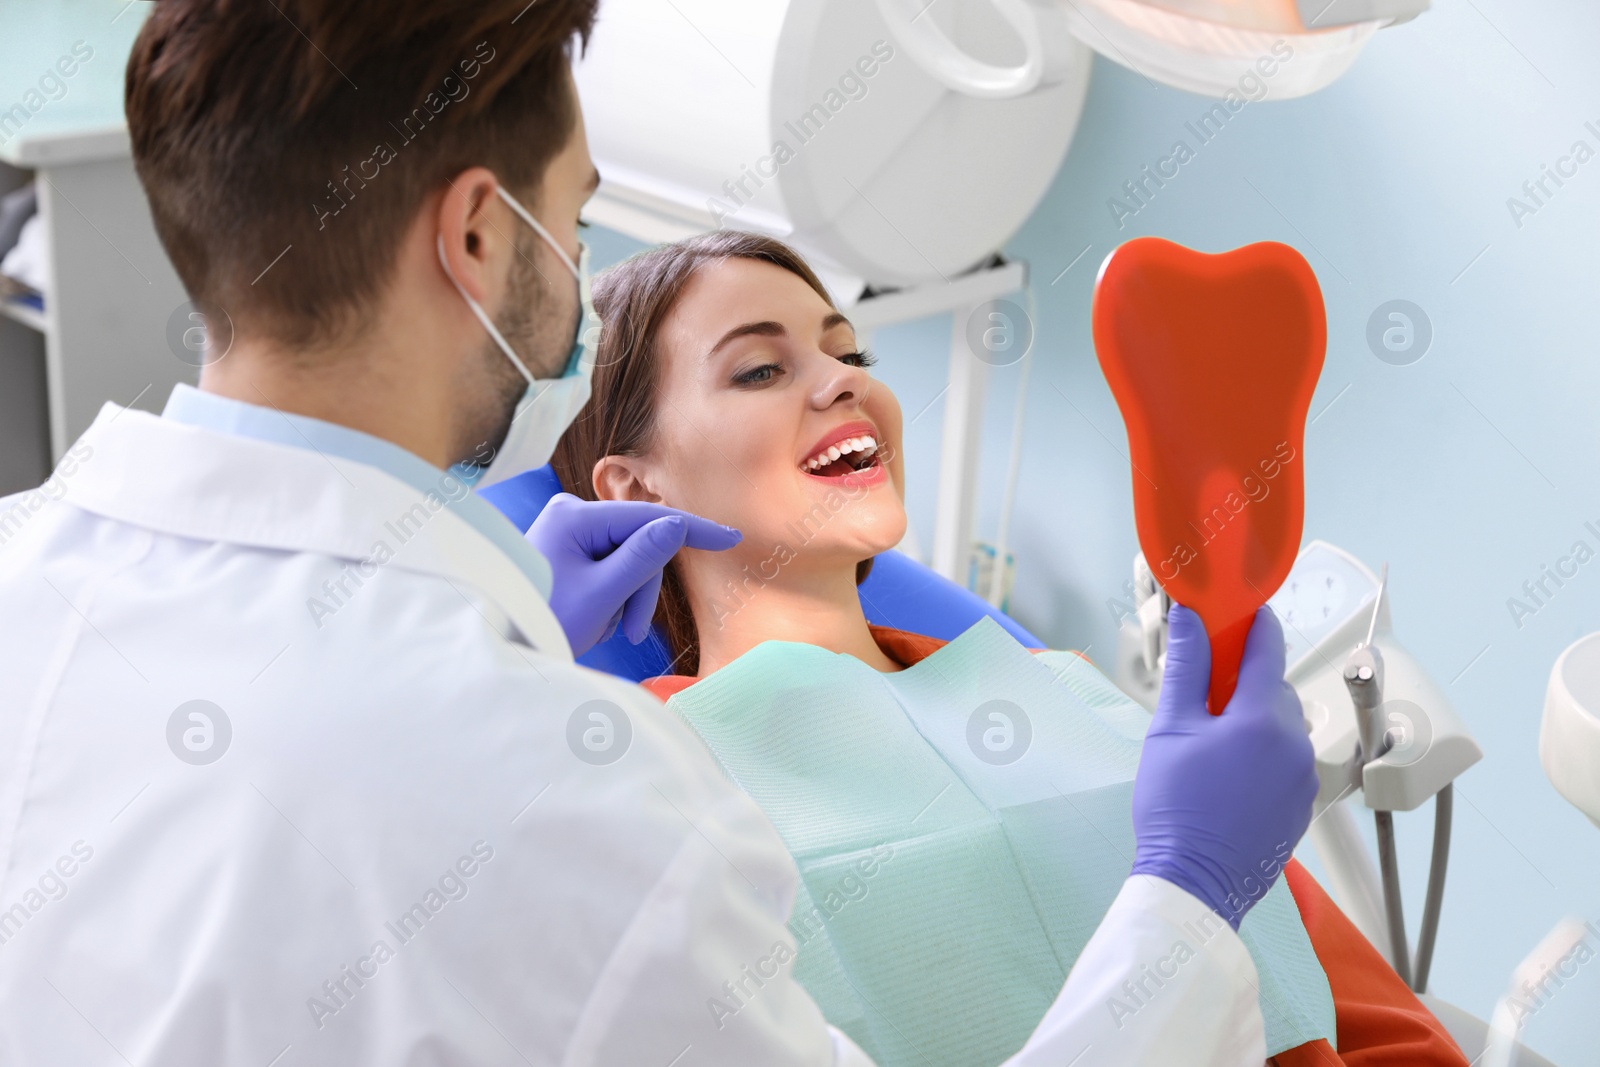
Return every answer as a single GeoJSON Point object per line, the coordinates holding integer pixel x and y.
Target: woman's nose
{"type": "Point", "coordinates": [839, 383]}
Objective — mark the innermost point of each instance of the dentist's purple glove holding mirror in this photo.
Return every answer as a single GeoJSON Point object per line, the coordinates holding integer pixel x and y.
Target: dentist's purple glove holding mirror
{"type": "Point", "coordinates": [1220, 801]}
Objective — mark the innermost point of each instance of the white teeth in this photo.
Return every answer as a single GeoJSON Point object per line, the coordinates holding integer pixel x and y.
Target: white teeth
{"type": "Point", "coordinates": [866, 444]}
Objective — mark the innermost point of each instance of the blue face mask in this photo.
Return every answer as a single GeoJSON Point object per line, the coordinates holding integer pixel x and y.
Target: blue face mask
{"type": "Point", "coordinates": [549, 405]}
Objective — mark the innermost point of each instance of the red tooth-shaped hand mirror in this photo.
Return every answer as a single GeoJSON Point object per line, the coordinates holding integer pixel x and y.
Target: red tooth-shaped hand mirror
{"type": "Point", "coordinates": [1213, 359]}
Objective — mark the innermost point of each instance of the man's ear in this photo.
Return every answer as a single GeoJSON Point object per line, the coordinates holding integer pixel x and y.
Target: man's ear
{"type": "Point", "coordinates": [472, 222]}
{"type": "Point", "coordinates": [622, 478]}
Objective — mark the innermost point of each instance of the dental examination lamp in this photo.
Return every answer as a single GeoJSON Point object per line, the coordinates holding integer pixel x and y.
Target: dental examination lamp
{"type": "Point", "coordinates": [1206, 46]}
{"type": "Point", "coordinates": [897, 142]}
{"type": "Point", "coordinates": [1378, 724]}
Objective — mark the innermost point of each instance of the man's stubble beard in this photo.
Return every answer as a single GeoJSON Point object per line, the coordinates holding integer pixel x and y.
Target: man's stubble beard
{"type": "Point", "coordinates": [493, 383]}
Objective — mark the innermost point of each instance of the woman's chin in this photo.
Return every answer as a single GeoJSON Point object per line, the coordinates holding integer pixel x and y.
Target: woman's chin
{"type": "Point", "coordinates": [889, 531]}
{"type": "Point", "coordinates": [860, 541]}
{"type": "Point", "coordinates": [845, 535]}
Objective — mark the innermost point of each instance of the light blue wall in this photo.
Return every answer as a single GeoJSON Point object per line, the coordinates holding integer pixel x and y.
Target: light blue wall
{"type": "Point", "coordinates": [1466, 471]}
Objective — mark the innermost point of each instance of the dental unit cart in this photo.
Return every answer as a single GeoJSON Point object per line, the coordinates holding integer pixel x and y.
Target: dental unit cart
{"type": "Point", "coordinates": [1378, 723]}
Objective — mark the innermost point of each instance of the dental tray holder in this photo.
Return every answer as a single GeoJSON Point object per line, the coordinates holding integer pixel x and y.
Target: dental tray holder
{"type": "Point", "coordinates": [1326, 605]}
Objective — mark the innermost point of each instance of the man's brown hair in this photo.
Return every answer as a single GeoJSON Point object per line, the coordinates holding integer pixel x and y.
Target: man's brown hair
{"type": "Point", "coordinates": [314, 129]}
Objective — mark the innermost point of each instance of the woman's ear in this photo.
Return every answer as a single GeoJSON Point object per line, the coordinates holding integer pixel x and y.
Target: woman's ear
{"type": "Point", "coordinates": [621, 478]}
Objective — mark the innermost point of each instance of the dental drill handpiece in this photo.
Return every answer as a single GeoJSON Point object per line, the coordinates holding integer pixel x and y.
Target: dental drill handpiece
{"type": "Point", "coordinates": [1363, 676]}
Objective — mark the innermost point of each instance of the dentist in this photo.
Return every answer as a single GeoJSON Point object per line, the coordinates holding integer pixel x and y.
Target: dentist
{"type": "Point", "coordinates": [295, 764]}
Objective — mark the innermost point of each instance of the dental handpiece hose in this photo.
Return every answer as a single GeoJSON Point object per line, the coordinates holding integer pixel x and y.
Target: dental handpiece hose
{"type": "Point", "coordinates": [1363, 676]}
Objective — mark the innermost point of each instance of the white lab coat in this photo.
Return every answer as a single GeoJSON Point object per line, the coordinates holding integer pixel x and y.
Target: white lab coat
{"type": "Point", "coordinates": [399, 858]}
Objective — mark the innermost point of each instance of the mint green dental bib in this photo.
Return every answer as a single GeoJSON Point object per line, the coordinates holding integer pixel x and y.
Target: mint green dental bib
{"type": "Point", "coordinates": [961, 827]}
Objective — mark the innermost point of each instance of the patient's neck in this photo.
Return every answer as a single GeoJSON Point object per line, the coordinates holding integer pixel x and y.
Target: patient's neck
{"type": "Point", "coordinates": [735, 609]}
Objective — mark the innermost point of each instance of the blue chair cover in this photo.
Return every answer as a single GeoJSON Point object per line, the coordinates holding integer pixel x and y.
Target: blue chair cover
{"type": "Point", "coordinates": [900, 592]}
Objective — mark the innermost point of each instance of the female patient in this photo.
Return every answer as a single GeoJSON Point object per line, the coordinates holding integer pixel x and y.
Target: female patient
{"type": "Point", "coordinates": [728, 385]}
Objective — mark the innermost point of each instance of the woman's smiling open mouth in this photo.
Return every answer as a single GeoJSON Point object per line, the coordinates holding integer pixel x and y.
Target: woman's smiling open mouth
{"type": "Point", "coordinates": [851, 449]}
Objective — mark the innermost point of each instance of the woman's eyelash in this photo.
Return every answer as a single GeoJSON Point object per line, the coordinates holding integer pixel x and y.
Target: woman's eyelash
{"type": "Point", "coordinates": [753, 376]}
{"type": "Point", "coordinates": [767, 371]}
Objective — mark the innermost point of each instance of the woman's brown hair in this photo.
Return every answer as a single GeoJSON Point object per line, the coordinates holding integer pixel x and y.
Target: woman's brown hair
{"type": "Point", "coordinates": [633, 300]}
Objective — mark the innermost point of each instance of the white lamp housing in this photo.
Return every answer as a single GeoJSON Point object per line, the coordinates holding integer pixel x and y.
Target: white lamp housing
{"type": "Point", "coordinates": [901, 142]}
{"type": "Point", "coordinates": [882, 150]}
{"type": "Point", "coordinates": [1210, 47]}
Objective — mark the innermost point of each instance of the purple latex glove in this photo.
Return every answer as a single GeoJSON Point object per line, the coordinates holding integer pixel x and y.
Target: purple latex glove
{"type": "Point", "coordinates": [606, 558]}
{"type": "Point", "coordinates": [1220, 801]}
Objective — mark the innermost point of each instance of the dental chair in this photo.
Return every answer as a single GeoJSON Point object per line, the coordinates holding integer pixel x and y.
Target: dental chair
{"type": "Point", "coordinates": [900, 592]}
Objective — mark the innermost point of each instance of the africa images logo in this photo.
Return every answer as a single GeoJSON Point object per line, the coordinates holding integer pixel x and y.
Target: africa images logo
{"type": "Point", "coordinates": [199, 732]}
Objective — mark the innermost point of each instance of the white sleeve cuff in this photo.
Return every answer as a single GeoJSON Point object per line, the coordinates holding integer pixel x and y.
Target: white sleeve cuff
{"type": "Point", "coordinates": [1164, 980]}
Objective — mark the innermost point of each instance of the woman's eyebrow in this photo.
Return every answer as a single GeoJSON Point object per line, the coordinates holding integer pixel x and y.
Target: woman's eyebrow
{"type": "Point", "coordinates": [770, 328]}
{"type": "Point", "coordinates": [760, 329]}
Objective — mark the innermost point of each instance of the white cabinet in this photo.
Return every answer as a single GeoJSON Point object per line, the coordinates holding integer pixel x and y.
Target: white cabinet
{"type": "Point", "coordinates": [103, 332]}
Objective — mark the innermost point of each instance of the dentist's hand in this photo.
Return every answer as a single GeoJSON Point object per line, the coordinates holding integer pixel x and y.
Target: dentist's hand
{"type": "Point", "coordinates": [1220, 801]}
{"type": "Point", "coordinates": [606, 558]}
